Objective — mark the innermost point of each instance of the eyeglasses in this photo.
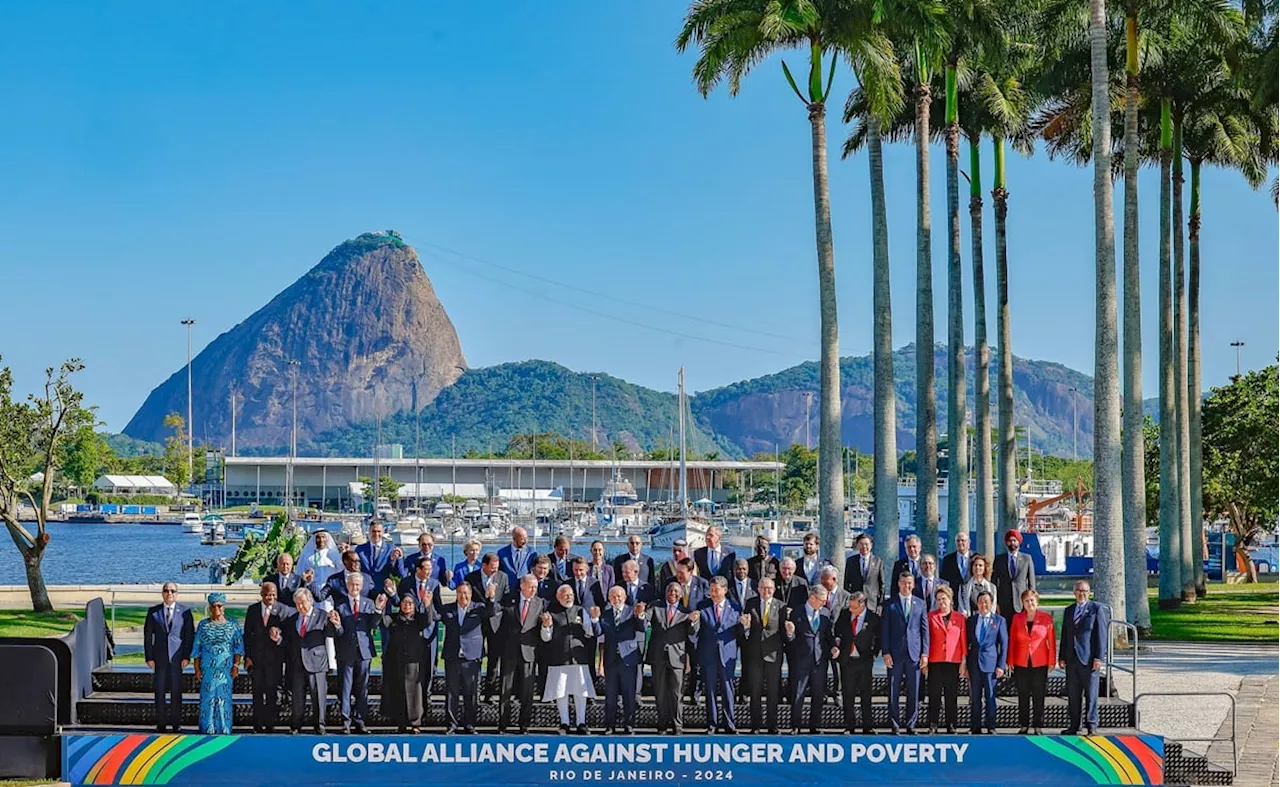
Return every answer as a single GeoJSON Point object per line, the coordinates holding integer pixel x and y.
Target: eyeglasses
{"type": "Point", "coordinates": [169, 590]}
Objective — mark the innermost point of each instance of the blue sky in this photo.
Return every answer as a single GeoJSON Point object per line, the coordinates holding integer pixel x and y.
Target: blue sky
{"type": "Point", "coordinates": [163, 160]}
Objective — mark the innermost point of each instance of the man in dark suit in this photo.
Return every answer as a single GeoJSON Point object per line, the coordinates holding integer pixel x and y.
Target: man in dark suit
{"type": "Point", "coordinates": [810, 564]}
{"type": "Point", "coordinates": [865, 571]}
{"type": "Point", "coordinates": [426, 548]}
{"type": "Point", "coordinates": [988, 637]}
{"type": "Point", "coordinates": [837, 600]}
{"type": "Point", "coordinates": [379, 558]}
{"type": "Point", "coordinates": [547, 584]}
{"type": "Point", "coordinates": [810, 643]}
{"type": "Point", "coordinates": [490, 581]}
{"type": "Point", "coordinates": [715, 559]}
{"type": "Point", "coordinates": [167, 637]}
{"type": "Point", "coordinates": [463, 649]}
{"type": "Point", "coordinates": [335, 587]}
{"type": "Point", "coordinates": [1082, 652]}
{"type": "Point", "coordinates": [265, 654]}
{"type": "Point", "coordinates": [306, 637]}
{"type": "Point", "coordinates": [762, 624]}
{"type": "Point", "coordinates": [910, 563]}
{"type": "Point", "coordinates": [519, 643]}
{"type": "Point", "coordinates": [955, 565]}
{"type": "Point", "coordinates": [517, 557]}
{"type": "Point", "coordinates": [561, 558]}
{"type": "Point", "coordinates": [644, 563]}
{"type": "Point", "coordinates": [637, 590]}
{"type": "Point", "coordinates": [716, 633]}
{"type": "Point", "coordinates": [762, 564]}
{"type": "Point", "coordinates": [1013, 573]}
{"type": "Point", "coordinates": [693, 588]}
{"type": "Point", "coordinates": [669, 636]}
{"type": "Point", "coordinates": [904, 639]}
{"type": "Point", "coordinates": [359, 619]}
{"type": "Point", "coordinates": [793, 589]}
{"type": "Point", "coordinates": [741, 588]}
{"type": "Point", "coordinates": [679, 554]}
{"type": "Point", "coordinates": [857, 632]}
{"type": "Point", "coordinates": [284, 579]}
{"type": "Point", "coordinates": [622, 650]}
{"type": "Point", "coordinates": [927, 583]}
{"type": "Point", "coordinates": [587, 592]}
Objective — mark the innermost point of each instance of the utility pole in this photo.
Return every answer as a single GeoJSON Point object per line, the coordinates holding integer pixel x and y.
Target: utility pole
{"type": "Point", "coordinates": [1075, 429]}
{"type": "Point", "coordinates": [293, 438]}
{"type": "Point", "coordinates": [233, 423]}
{"type": "Point", "coordinates": [1237, 344]}
{"type": "Point", "coordinates": [191, 477]}
{"type": "Point", "coordinates": [593, 413]}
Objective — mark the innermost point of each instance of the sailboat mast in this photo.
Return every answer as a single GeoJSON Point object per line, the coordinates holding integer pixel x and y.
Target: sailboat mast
{"type": "Point", "coordinates": [684, 475]}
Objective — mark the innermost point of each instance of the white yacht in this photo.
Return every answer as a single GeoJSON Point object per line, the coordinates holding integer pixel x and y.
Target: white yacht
{"type": "Point", "coordinates": [191, 523]}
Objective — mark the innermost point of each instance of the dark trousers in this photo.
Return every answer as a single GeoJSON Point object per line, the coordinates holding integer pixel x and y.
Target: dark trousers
{"type": "Point", "coordinates": [355, 681]}
{"type": "Point", "coordinates": [1082, 689]}
{"type": "Point", "coordinates": [718, 681]}
{"type": "Point", "coordinates": [620, 685]}
{"type": "Point", "coordinates": [167, 681]}
{"type": "Point", "coordinates": [944, 685]}
{"type": "Point", "coordinates": [1031, 682]}
{"type": "Point", "coordinates": [808, 680]}
{"type": "Point", "coordinates": [266, 676]}
{"type": "Point", "coordinates": [408, 705]}
{"type": "Point", "coordinates": [518, 677]}
{"type": "Point", "coordinates": [857, 692]}
{"type": "Point", "coordinates": [318, 684]}
{"type": "Point", "coordinates": [904, 669]}
{"type": "Point", "coordinates": [667, 683]}
{"type": "Point", "coordinates": [462, 687]}
{"type": "Point", "coordinates": [493, 667]}
{"type": "Point", "coordinates": [764, 683]}
{"type": "Point", "coordinates": [982, 692]}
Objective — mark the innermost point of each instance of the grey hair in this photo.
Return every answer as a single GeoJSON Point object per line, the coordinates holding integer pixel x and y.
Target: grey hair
{"type": "Point", "coordinates": [720, 582]}
{"type": "Point", "coordinates": [817, 591]}
{"type": "Point", "coordinates": [787, 560]}
{"type": "Point", "coordinates": [829, 571]}
{"type": "Point", "coordinates": [301, 593]}
{"type": "Point", "coordinates": [913, 537]}
{"type": "Point", "coordinates": [859, 597]}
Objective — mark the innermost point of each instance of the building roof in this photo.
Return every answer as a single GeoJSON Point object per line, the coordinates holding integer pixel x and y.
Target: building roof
{"type": "Point", "coordinates": [134, 482]}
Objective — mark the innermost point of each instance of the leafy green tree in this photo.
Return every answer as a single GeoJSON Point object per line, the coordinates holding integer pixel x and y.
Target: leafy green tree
{"type": "Point", "coordinates": [176, 463]}
{"type": "Point", "coordinates": [256, 557]}
{"type": "Point", "coordinates": [84, 456]}
{"type": "Point", "coordinates": [32, 434]}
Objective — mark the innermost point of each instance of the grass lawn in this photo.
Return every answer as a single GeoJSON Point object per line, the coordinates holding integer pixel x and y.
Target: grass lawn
{"type": "Point", "coordinates": [1229, 613]}
{"type": "Point", "coordinates": [25, 623]}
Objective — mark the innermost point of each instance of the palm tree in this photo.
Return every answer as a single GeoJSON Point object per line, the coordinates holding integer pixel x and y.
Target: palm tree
{"type": "Point", "coordinates": [733, 36]}
{"type": "Point", "coordinates": [1170, 592]}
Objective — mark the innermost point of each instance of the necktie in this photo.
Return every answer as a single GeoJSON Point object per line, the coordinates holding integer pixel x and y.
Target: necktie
{"type": "Point", "coordinates": [742, 591]}
{"type": "Point", "coordinates": [764, 613]}
{"type": "Point", "coordinates": [964, 567]}
{"type": "Point", "coordinates": [582, 592]}
{"type": "Point", "coordinates": [928, 591]}
{"type": "Point", "coordinates": [857, 627]}
{"type": "Point", "coordinates": [1012, 565]}
{"type": "Point", "coordinates": [671, 613]}
{"type": "Point", "coordinates": [686, 595]}
{"type": "Point", "coordinates": [913, 566]}
{"type": "Point", "coordinates": [631, 592]}
{"type": "Point", "coordinates": [422, 592]}
{"type": "Point", "coordinates": [1079, 613]}
{"type": "Point", "coordinates": [266, 614]}
{"type": "Point", "coordinates": [524, 609]}
{"type": "Point", "coordinates": [906, 608]}
{"type": "Point", "coordinates": [864, 566]}
{"type": "Point", "coordinates": [813, 619]}
{"type": "Point", "coordinates": [168, 617]}
{"type": "Point", "coordinates": [717, 608]}
{"type": "Point", "coordinates": [302, 626]}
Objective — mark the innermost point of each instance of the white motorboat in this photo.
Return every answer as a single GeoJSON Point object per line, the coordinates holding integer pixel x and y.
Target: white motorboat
{"type": "Point", "coordinates": [191, 523]}
{"type": "Point", "coordinates": [214, 530]}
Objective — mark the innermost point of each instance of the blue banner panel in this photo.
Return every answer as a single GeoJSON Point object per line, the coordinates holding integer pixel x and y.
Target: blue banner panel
{"type": "Point", "coordinates": [540, 760]}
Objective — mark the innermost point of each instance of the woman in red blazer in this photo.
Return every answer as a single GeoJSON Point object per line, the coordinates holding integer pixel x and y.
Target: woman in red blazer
{"type": "Point", "coordinates": [948, 644]}
{"type": "Point", "coordinates": [1031, 655]}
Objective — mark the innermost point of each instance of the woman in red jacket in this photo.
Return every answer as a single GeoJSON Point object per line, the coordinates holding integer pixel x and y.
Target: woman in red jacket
{"type": "Point", "coordinates": [1031, 654]}
{"type": "Point", "coordinates": [948, 644]}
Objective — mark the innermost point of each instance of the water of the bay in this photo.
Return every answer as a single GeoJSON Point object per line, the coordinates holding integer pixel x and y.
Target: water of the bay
{"type": "Point", "coordinates": [84, 554]}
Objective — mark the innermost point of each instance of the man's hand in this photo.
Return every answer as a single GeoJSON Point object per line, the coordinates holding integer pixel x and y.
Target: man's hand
{"type": "Point", "coordinates": [448, 576]}
{"type": "Point", "coordinates": [546, 619]}
{"type": "Point", "coordinates": [999, 673]}
{"type": "Point", "coordinates": [151, 665]}
{"type": "Point", "coordinates": [309, 575]}
{"type": "Point", "coordinates": [185, 662]}
{"type": "Point", "coordinates": [426, 598]}
{"type": "Point", "coordinates": [334, 617]}
{"type": "Point", "coordinates": [695, 616]}
{"type": "Point", "coordinates": [492, 591]}
{"type": "Point", "coordinates": [397, 553]}
{"type": "Point", "coordinates": [1062, 665]}
{"type": "Point", "coordinates": [389, 585]}
{"type": "Point", "coordinates": [964, 671]}
{"type": "Point", "coordinates": [888, 661]}
{"type": "Point", "coordinates": [835, 653]}
{"type": "Point", "coordinates": [1097, 665]}
{"type": "Point", "coordinates": [380, 602]}
{"type": "Point", "coordinates": [595, 613]}
{"type": "Point", "coordinates": [791, 628]}
{"type": "Point", "coordinates": [640, 609]}
{"type": "Point", "coordinates": [248, 662]}
{"type": "Point", "coordinates": [198, 674]}
{"type": "Point", "coordinates": [745, 619]}
{"type": "Point", "coordinates": [274, 634]}
{"type": "Point", "coordinates": [924, 662]}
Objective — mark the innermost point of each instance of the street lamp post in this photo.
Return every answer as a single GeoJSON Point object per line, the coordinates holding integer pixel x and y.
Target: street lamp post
{"type": "Point", "coordinates": [293, 436]}
{"type": "Point", "coordinates": [191, 479]}
{"type": "Point", "coordinates": [233, 423]}
{"type": "Point", "coordinates": [593, 413]}
{"type": "Point", "coordinates": [1075, 429]}
{"type": "Point", "coordinates": [1237, 344]}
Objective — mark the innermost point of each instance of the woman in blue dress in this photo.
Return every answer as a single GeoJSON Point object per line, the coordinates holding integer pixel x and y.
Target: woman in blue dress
{"type": "Point", "coordinates": [216, 654]}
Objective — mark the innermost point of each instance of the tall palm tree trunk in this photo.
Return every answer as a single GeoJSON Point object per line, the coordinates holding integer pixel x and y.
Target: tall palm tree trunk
{"type": "Point", "coordinates": [984, 508]}
{"type": "Point", "coordinates": [1193, 381]}
{"type": "Point", "coordinates": [1170, 593]}
{"type": "Point", "coordinates": [1108, 536]}
{"type": "Point", "coordinates": [1133, 452]}
{"type": "Point", "coordinates": [1004, 398]}
{"type": "Point", "coordinates": [926, 395]}
{"type": "Point", "coordinates": [830, 454]}
{"type": "Point", "coordinates": [886, 438]}
{"type": "Point", "coordinates": [1182, 446]}
{"type": "Point", "coordinates": [957, 393]}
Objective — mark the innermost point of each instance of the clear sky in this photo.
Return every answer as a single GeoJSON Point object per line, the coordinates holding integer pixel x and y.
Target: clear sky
{"type": "Point", "coordinates": [163, 159]}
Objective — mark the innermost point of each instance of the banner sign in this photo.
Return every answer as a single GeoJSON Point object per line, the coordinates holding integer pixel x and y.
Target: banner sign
{"type": "Point", "coordinates": [488, 760]}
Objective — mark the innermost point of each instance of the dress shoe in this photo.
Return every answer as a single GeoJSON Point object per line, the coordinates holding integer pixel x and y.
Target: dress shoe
{"type": "Point", "coordinates": [1037, 731]}
{"type": "Point", "coordinates": [868, 731]}
{"type": "Point", "coordinates": [895, 731]}
{"type": "Point", "coordinates": [909, 731]}
{"type": "Point", "coordinates": [989, 732]}
{"type": "Point", "coordinates": [951, 730]}
{"type": "Point", "coordinates": [401, 730]}
{"type": "Point", "coordinates": [1070, 731]}
{"type": "Point", "coordinates": [564, 729]}
{"type": "Point", "coordinates": [1023, 731]}
{"type": "Point", "coordinates": [584, 729]}
{"type": "Point", "coordinates": [360, 730]}
{"type": "Point", "coordinates": [524, 730]}
{"type": "Point", "coordinates": [793, 731]}
{"type": "Point", "coordinates": [628, 730]}
{"type": "Point", "coordinates": [975, 732]}
{"type": "Point", "coordinates": [416, 731]}
{"type": "Point", "coordinates": [773, 730]}
{"type": "Point", "coordinates": [468, 730]}
{"type": "Point", "coordinates": [453, 730]}
{"type": "Point", "coordinates": [730, 730]}
{"type": "Point", "coordinates": [161, 728]}
{"type": "Point", "coordinates": [815, 731]}
{"type": "Point", "coordinates": [319, 730]}
{"type": "Point", "coordinates": [175, 729]}
{"type": "Point", "coordinates": [269, 730]}
{"type": "Point", "coordinates": [933, 730]}
{"type": "Point", "coordinates": [294, 731]}
{"type": "Point", "coordinates": [1090, 730]}
{"type": "Point", "coordinates": [346, 730]}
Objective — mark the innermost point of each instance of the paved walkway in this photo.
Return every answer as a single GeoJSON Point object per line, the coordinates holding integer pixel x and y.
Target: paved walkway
{"type": "Point", "coordinates": [1257, 734]}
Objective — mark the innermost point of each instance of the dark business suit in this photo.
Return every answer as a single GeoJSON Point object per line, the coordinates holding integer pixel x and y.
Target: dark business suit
{"type": "Point", "coordinates": [1010, 586]}
{"type": "Point", "coordinates": [520, 645]}
{"type": "Point", "coordinates": [1084, 640]}
{"type": "Point", "coordinates": [811, 568]}
{"type": "Point", "coordinates": [463, 649]}
{"type": "Point", "coordinates": [904, 636]}
{"type": "Point", "coordinates": [603, 574]}
{"type": "Point", "coordinates": [588, 593]}
{"type": "Point", "coordinates": [268, 658]}
{"type": "Point", "coordinates": [286, 586]}
{"type": "Point", "coordinates": [639, 593]}
{"type": "Point", "coordinates": [741, 595]}
{"type": "Point", "coordinates": [376, 561]}
{"type": "Point", "coordinates": [988, 651]}
{"type": "Point", "coordinates": [955, 569]}
{"type": "Point", "coordinates": [722, 568]}
{"type": "Point", "coordinates": [647, 572]}
{"type": "Point", "coordinates": [857, 657]}
{"type": "Point", "coordinates": [716, 651]}
{"type": "Point", "coordinates": [493, 651]}
{"type": "Point", "coordinates": [760, 567]}
{"type": "Point", "coordinates": [837, 601]}
{"type": "Point", "coordinates": [307, 650]}
{"type": "Point", "coordinates": [808, 654]}
{"type": "Point", "coordinates": [762, 650]}
{"type": "Point", "coordinates": [926, 590]}
{"type": "Point", "coordinates": [908, 565]}
{"type": "Point", "coordinates": [870, 582]}
{"type": "Point", "coordinates": [355, 650]}
{"type": "Point", "coordinates": [166, 640]}
{"type": "Point", "coordinates": [561, 567]}
{"type": "Point", "coordinates": [622, 651]}
{"type": "Point", "coordinates": [335, 587]}
{"type": "Point", "coordinates": [668, 643]}
{"type": "Point", "coordinates": [516, 563]}
{"type": "Point", "coordinates": [794, 592]}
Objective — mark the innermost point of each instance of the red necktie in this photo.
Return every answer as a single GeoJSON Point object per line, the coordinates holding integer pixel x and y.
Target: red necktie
{"type": "Point", "coordinates": [302, 629]}
{"type": "Point", "coordinates": [422, 593]}
{"type": "Point", "coordinates": [671, 613]}
{"type": "Point", "coordinates": [524, 609]}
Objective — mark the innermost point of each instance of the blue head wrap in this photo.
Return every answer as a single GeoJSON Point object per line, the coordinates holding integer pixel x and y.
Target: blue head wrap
{"type": "Point", "coordinates": [217, 598]}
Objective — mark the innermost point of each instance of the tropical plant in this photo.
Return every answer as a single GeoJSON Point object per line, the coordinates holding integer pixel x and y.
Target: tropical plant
{"type": "Point", "coordinates": [256, 556]}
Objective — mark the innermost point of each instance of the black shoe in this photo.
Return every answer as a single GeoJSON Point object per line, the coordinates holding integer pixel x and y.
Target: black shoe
{"type": "Point", "coordinates": [868, 731]}
{"type": "Point", "coordinates": [524, 730]}
{"type": "Point", "coordinates": [1070, 731]}
{"type": "Point", "coordinates": [909, 731]}
{"type": "Point", "coordinates": [989, 732]}
{"type": "Point", "coordinates": [469, 731]}
{"type": "Point", "coordinates": [319, 730]}
{"type": "Point", "coordinates": [951, 730]}
{"type": "Point", "coordinates": [1090, 730]}
{"type": "Point", "coordinates": [175, 729]}
{"type": "Point", "coordinates": [628, 731]}
{"type": "Point", "coordinates": [584, 729]}
{"type": "Point", "coordinates": [269, 730]}
{"type": "Point", "coordinates": [360, 730]}
{"type": "Point", "coordinates": [773, 731]}
{"type": "Point", "coordinates": [793, 731]}
{"type": "Point", "coordinates": [564, 729]}
{"type": "Point", "coordinates": [933, 730]}
{"type": "Point", "coordinates": [161, 728]}
{"type": "Point", "coordinates": [294, 730]}
{"type": "Point", "coordinates": [453, 730]}
{"type": "Point", "coordinates": [346, 730]}
{"type": "Point", "coordinates": [1023, 731]}
{"type": "Point", "coordinates": [975, 732]}
{"type": "Point", "coordinates": [1037, 731]}
{"type": "Point", "coordinates": [730, 730]}
{"type": "Point", "coordinates": [895, 731]}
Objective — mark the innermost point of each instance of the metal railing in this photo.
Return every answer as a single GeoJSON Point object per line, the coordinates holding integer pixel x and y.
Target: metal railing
{"type": "Point", "coordinates": [1235, 754]}
{"type": "Point", "coordinates": [1132, 632]}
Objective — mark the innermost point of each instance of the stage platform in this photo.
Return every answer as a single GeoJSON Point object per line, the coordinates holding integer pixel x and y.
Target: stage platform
{"type": "Point", "coordinates": [124, 758]}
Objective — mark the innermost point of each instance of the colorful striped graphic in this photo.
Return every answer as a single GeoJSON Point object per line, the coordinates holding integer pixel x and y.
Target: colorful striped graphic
{"type": "Point", "coordinates": [1119, 759]}
{"type": "Point", "coordinates": [138, 759]}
